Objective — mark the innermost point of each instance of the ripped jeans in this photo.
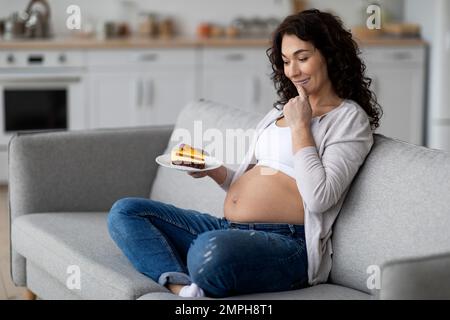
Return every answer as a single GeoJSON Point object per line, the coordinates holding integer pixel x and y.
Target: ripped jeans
{"type": "Point", "coordinates": [224, 258]}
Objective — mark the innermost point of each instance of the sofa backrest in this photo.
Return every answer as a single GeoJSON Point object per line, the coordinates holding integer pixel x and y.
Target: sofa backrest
{"type": "Point", "coordinates": [204, 122]}
{"type": "Point", "coordinates": [398, 206]}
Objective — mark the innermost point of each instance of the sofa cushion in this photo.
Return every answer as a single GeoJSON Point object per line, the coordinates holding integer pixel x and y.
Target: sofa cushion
{"type": "Point", "coordinates": [397, 207]}
{"type": "Point", "coordinates": [319, 292]}
{"type": "Point", "coordinates": [54, 241]}
{"type": "Point", "coordinates": [46, 285]}
{"type": "Point", "coordinates": [203, 124]}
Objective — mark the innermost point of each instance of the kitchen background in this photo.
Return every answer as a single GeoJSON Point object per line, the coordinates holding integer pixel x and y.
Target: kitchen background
{"type": "Point", "coordinates": [119, 68]}
{"type": "Point", "coordinates": [139, 62]}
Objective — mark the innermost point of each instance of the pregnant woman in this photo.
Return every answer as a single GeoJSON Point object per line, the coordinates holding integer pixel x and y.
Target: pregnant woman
{"type": "Point", "coordinates": [282, 201]}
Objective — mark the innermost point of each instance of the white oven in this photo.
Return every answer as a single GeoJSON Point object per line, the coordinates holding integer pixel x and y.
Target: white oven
{"type": "Point", "coordinates": [40, 91]}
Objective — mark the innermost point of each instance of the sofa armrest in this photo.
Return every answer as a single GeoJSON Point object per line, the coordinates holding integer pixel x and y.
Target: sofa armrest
{"type": "Point", "coordinates": [420, 278]}
{"type": "Point", "coordinates": [86, 170]}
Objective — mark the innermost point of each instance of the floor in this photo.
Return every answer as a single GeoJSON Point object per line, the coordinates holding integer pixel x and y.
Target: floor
{"type": "Point", "coordinates": [7, 289]}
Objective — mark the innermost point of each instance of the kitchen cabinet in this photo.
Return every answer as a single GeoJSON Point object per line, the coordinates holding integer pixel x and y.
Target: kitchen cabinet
{"type": "Point", "coordinates": [140, 87]}
{"type": "Point", "coordinates": [150, 87]}
{"type": "Point", "coordinates": [398, 76]}
{"type": "Point", "coordinates": [166, 91]}
{"type": "Point", "coordinates": [114, 100]}
{"type": "Point", "coordinates": [238, 77]}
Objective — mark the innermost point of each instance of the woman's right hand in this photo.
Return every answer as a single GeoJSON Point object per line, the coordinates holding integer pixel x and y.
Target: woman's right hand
{"type": "Point", "coordinates": [197, 175]}
{"type": "Point", "coordinates": [217, 174]}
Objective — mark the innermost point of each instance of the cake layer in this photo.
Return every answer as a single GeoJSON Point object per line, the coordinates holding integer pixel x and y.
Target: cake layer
{"type": "Point", "coordinates": [185, 155]}
{"type": "Point", "coordinates": [187, 159]}
{"type": "Point", "coordinates": [189, 164]}
{"type": "Point", "coordinates": [185, 150]}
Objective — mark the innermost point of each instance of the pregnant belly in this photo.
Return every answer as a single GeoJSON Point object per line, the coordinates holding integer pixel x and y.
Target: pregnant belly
{"type": "Point", "coordinates": [257, 197]}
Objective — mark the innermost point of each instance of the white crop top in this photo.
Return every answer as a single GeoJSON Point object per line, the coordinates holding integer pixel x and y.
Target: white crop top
{"type": "Point", "coordinates": [274, 149]}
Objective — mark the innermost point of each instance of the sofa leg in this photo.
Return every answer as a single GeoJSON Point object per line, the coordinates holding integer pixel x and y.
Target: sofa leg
{"type": "Point", "coordinates": [29, 295]}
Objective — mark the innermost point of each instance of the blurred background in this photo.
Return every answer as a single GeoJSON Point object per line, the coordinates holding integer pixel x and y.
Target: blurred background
{"type": "Point", "coordinates": [188, 14]}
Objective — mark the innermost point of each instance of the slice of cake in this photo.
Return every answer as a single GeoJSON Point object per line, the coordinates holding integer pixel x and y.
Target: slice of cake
{"type": "Point", "coordinates": [185, 155]}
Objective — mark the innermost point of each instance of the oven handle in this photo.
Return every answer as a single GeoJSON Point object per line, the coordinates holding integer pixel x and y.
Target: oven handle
{"type": "Point", "coordinates": [41, 80]}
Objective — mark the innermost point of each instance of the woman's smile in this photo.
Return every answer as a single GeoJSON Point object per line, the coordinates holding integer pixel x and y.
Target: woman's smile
{"type": "Point", "coordinates": [303, 83]}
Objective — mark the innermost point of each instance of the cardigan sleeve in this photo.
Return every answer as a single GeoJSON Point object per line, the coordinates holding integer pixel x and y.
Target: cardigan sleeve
{"type": "Point", "coordinates": [227, 183]}
{"type": "Point", "coordinates": [229, 178]}
{"type": "Point", "coordinates": [230, 172]}
{"type": "Point", "coordinates": [323, 180]}
{"type": "Point", "coordinates": [250, 163]}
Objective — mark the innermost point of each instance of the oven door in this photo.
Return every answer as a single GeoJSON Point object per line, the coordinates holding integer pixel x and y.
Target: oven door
{"type": "Point", "coordinates": [41, 104]}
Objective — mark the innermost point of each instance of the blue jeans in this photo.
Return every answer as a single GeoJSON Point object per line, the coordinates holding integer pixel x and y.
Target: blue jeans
{"type": "Point", "coordinates": [224, 258]}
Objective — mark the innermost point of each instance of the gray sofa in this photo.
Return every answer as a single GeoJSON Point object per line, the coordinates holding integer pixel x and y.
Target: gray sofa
{"type": "Point", "coordinates": [391, 239]}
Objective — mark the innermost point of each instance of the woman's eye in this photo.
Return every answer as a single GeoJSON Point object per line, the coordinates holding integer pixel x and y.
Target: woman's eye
{"type": "Point", "coordinates": [301, 60]}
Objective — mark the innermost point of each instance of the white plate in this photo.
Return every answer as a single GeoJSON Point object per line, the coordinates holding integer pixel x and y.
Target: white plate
{"type": "Point", "coordinates": [210, 163]}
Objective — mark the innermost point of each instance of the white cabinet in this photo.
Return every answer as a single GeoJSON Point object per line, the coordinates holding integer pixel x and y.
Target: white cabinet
{"type": "Point", "coordinates": [165, 92]}
{"type": "Point", "coordinates": [150, 87]}
{"type": "Point", "coordinates": [115, 100]}
{"type": "Point", "coordinates": [140, 87]}
{"type": "Point", "coordinates": [398, 76]}
{"type": "Point", "coordinates": [239, 77]}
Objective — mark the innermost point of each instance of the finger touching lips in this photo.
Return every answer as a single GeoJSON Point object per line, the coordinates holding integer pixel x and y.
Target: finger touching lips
{"type": "Point", "coordinates": [301, 92]}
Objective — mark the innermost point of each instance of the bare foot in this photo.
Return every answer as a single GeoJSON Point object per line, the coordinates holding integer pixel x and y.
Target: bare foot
{"type": "Point", "coordinates": [175, 288]}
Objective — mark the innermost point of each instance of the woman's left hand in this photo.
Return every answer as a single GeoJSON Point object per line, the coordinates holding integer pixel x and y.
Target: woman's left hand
{"type": "Point", "coordinates": [297, 111]}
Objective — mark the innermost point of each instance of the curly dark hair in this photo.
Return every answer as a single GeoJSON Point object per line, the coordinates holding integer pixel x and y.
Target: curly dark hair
{"type": "Point", "coordinates": [346, 70]}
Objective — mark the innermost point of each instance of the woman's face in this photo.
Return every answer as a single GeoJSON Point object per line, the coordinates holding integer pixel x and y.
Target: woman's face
{"type": "Point", "coordinates": [304, 65]}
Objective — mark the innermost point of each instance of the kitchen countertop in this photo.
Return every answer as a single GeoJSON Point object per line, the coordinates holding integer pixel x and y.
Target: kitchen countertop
{"type": "Point", "coordinates": [130, 43]}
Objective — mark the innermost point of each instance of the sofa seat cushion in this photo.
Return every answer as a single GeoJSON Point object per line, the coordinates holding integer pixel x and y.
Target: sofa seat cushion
{"type": "Point", "coordinates": [319, 292]}
{"type": "Point", "coordinates": [56, 241]}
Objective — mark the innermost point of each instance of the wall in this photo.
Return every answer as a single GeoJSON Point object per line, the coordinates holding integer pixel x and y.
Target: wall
{"type": "Point", "coordinates": [191, 12]}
